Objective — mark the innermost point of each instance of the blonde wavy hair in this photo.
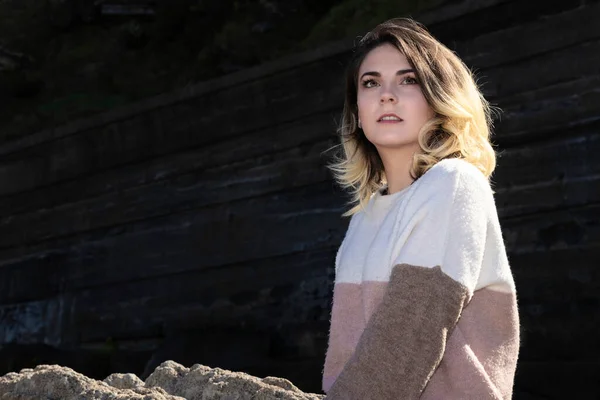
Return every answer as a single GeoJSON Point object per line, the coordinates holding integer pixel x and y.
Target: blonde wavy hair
{"type": "Point", "coordinates": [461, 127]}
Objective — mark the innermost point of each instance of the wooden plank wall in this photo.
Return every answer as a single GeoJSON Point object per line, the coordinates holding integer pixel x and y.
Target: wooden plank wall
{"type": "Point", "coordinates": [202, 225]}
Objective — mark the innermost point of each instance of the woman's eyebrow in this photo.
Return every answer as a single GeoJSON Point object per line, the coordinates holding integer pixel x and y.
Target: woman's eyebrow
{"type": "Point", "coordinates": [399, 72]}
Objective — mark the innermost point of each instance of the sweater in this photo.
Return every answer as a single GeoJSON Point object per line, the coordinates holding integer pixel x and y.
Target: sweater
{"type": "Point", "coordinates": [424, 301]}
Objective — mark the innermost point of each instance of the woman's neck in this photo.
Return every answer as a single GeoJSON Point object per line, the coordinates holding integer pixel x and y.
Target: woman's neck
{"type": "Point", "coordinates": [397, 163]}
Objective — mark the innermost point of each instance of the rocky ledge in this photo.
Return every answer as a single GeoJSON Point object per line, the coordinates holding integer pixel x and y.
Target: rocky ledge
{"type": "Point", "coordinates": [170, 381]}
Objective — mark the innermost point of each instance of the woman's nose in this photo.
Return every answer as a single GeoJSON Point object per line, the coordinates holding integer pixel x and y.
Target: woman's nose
{"type": "Point", "coordinates": [387, 96]}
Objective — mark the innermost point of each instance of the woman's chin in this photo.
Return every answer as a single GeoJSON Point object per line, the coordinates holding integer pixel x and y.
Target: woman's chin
{"type": "Point", "coordinates": [394, 141]}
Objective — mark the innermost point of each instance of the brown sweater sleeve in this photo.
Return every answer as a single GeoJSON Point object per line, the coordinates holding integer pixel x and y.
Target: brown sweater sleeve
{"type": "Point", "coordinates": [404, 340]}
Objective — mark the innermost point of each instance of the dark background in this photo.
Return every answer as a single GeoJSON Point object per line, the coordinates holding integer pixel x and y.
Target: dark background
{"type": "Point", "coordinates": [163, 190]}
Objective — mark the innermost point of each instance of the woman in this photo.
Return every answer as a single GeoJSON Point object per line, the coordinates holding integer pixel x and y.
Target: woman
{"type": "Point", "coordinates": [424, 303]}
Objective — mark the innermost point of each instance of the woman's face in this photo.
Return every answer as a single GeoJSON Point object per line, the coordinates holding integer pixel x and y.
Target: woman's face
{"type": "Point", "coordinates": [387, 84]}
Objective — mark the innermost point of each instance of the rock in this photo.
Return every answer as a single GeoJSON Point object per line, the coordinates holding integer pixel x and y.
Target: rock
{"type": "Point", "coordinates": [203, 383]}
{"type": "Point", "coordinates": [56, 382]}
{"type": "Point", "coordinates": [170, 381]}
{"type": "Point", "coordinates": [124, 381]}
{"type": "Point", "coordinates": [282, 383]}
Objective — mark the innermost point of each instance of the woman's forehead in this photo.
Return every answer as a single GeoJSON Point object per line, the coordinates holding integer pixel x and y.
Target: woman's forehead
{"type": "Point", "coordinates": [385, 59]}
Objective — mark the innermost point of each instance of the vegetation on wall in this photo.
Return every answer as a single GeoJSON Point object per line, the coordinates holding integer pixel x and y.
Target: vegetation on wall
{"type": "Point", "coordinates": [66, 59]}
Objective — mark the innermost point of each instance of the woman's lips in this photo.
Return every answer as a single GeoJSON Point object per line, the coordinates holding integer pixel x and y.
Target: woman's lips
{"type": "Point", "coordinates": [390, 121]}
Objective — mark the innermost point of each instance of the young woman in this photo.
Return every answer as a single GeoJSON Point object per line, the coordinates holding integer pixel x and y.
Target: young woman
{"type": "Point", "coordinates": [424, 302]}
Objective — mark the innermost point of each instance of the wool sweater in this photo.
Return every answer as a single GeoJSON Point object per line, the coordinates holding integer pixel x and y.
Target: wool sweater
{"type": "Point", "coordinates": [424, 301]}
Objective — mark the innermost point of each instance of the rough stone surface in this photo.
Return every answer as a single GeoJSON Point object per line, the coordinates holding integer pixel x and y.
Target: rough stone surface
{"type": "Point", "coordinates": [170, 381]}
{"type": "Point", "coordinates": [124, 381]}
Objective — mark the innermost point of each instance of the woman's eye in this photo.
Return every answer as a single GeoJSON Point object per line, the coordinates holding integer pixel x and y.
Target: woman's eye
{"type": "Point", "coordinates": [368, 82]}
{"type": "Point", "coordinates": [409, 80]}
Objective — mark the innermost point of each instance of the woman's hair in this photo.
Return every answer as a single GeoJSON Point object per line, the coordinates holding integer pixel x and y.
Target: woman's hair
{"type": "Point", "coordinates": [461, 126]}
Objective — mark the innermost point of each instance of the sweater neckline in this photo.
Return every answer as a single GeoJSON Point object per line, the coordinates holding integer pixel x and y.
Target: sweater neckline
{"type": "Point", "coordinates": [386, 199]}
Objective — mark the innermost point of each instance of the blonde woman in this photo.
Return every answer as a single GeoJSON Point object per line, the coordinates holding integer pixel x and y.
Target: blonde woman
{"type": "Point", "coordinates": [424, 302]}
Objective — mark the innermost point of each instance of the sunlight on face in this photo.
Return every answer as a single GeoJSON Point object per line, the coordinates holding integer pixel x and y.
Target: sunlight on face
{"type": "Point", "coordinates": [388, 84]}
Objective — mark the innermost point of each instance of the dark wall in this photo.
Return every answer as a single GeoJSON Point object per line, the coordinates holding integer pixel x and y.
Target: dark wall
{"type": "Point", "coordinates": [202, 226]}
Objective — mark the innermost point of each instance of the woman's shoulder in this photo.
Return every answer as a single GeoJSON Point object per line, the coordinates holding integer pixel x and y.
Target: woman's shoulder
{"type": "Point", "coordinates": [450, 179]}
{"type": "Point", "coordinates": [453, 174]}
{"type": "Point", "coordinates": [454, 168]}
